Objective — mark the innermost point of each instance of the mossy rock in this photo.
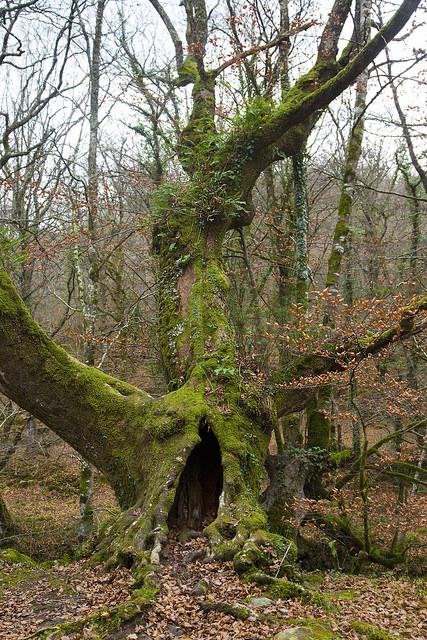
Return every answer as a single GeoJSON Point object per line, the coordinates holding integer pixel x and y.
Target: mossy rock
{"type": "Point", "coordinates": [287, 590]}
{"type": "Point", "coordinates": [260, 602]}
{"type": "Point", "coordinates": [11, 556]}
{"type": "Point", "coordinates": [307, 632]}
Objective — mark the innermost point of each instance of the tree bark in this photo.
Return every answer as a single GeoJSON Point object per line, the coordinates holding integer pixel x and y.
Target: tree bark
{"type": "Point", "coordinates": [6, 523]}
{"type": "Point", "coordinates": [319, 427]}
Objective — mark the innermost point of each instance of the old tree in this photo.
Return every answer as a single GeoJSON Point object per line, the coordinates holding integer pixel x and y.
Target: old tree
{"type": "Point", "coordinates": [196, 456]}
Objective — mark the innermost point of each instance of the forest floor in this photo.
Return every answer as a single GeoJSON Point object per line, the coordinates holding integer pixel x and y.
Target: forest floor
{"type": "Point", "coordinates": [34, 596]}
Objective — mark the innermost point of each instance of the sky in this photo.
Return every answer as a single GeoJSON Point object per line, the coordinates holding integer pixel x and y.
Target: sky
{"type": "Point", "coordinates": [151, 42]}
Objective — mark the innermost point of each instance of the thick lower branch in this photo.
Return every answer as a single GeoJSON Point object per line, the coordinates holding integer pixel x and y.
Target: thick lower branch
{"type": "Point", "coordinates": [96, 414]}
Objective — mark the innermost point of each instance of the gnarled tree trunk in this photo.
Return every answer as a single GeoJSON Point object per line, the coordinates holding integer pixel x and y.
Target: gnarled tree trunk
{"type": "Point", "coordinates": [195, 456]}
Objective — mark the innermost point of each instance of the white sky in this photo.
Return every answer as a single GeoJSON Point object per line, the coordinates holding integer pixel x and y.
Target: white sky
{"type": "Point", "coordinates": [151, 41]}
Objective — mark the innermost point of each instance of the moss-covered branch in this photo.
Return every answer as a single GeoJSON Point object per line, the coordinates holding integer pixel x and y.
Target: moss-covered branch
{"type": "Point", "coordinates": [293, 394]}
{"type": "Point", "coordinates": [255, 146]}
{"type": "Point", "coordinates": [96, 414]}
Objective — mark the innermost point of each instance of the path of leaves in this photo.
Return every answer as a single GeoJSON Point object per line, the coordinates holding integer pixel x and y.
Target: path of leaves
{"type": "Point", "coordinates": [36, 598]}
{"type": "Point", "coordinates": [177, 613]}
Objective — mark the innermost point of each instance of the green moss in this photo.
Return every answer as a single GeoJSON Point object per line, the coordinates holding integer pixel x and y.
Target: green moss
{"type": "Point", "coordinates": [187, 72]}
{"type": "Point", "coordinates": [102, 624]}
{"type": "Point", "coordinates": [306, 629]}
{"type": "Point", "coordinates": [254, 115]}
{"type": "Point", "coordinates": [11, 556]}
{"type": "Point", "coordinates": [370, 631]}
{"type": "Point", "coordinates": [318, 424]}
{"type": "Point", "coordinates": [237, 610]}
{"type": "Point", "coordinates": [174, 412]}
{"type": "Point", "coordinates": [8, 297]}
{"type": "Point", "coordinates": [250, 556]}
{"type": "Point", "coordinates": [338, 458]}
{"type": "Point", "coordinates": [347, 595]}
{"type": "Point", "coordinates": [287, 590]}
{"type": "Point", "coordinates": [313, 578]}
{"type": "Point", "coordinates": [21, 574]}
{"type": "Point", "coordinates": [265, 550]}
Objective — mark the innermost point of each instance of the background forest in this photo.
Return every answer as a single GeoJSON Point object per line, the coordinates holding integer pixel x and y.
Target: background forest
{"type": "Point", "coordinates": [106, 118]}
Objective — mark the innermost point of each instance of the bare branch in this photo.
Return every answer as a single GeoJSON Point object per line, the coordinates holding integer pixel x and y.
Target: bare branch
{"type": "Point", "coordinates": [263, 47]}
{"type": "Point", "coordinates": [177, 42]}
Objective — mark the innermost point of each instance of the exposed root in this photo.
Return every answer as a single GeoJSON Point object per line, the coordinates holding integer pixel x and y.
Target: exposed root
{"type": "Point", "coordinates": [236, 610]}
{"type": "Point", "coordinates": [106, 621]}
{"type": "Point", "coordinates": [339, 529]}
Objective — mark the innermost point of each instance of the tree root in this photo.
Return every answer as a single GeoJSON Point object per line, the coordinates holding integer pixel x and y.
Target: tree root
{"type": "Point", "coordinates": [237, 610]}
{"type": "Point", "coordinates": [283, 589]}
{"type": "Point", "coordinates": [106, 621]}
{"type": "Point", "coordinates": [338, 528]}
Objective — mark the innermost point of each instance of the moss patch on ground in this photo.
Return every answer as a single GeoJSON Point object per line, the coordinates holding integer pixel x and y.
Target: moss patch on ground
{"type": "Point", "coordinates": [371, 632]}
{"type": "Point", "coordinates": [103, 623]}
{"type": "Point", "coordinates": [11, 556]}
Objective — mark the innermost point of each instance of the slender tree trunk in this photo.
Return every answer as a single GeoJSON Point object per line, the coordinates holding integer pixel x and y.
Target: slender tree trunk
{"type": "Point", "coordinates": [412, 357]}
{"type": "Point", "coordinates": [349, 274]}
{"type": "Point", "coordinates": [12, 431]}
{"type": "Point", "coordinates": [356, 438]}
{"type": "Point", "coordinates": [281, 208]}
{"type": "Point", "coordinates": [85, 525]}
{"type": "Point", "coordinates": [30, 434]}
{"type": "Point", "coordinates": [302, 270]}
{"type": "Point", "coordinates": [88, 269]}
{"type": "Point", "coordinates": [6, 525]}
{"type": "Point", "coordinates": [342, 228]}
{"type": "Point", "coordinates": [316, 419]}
